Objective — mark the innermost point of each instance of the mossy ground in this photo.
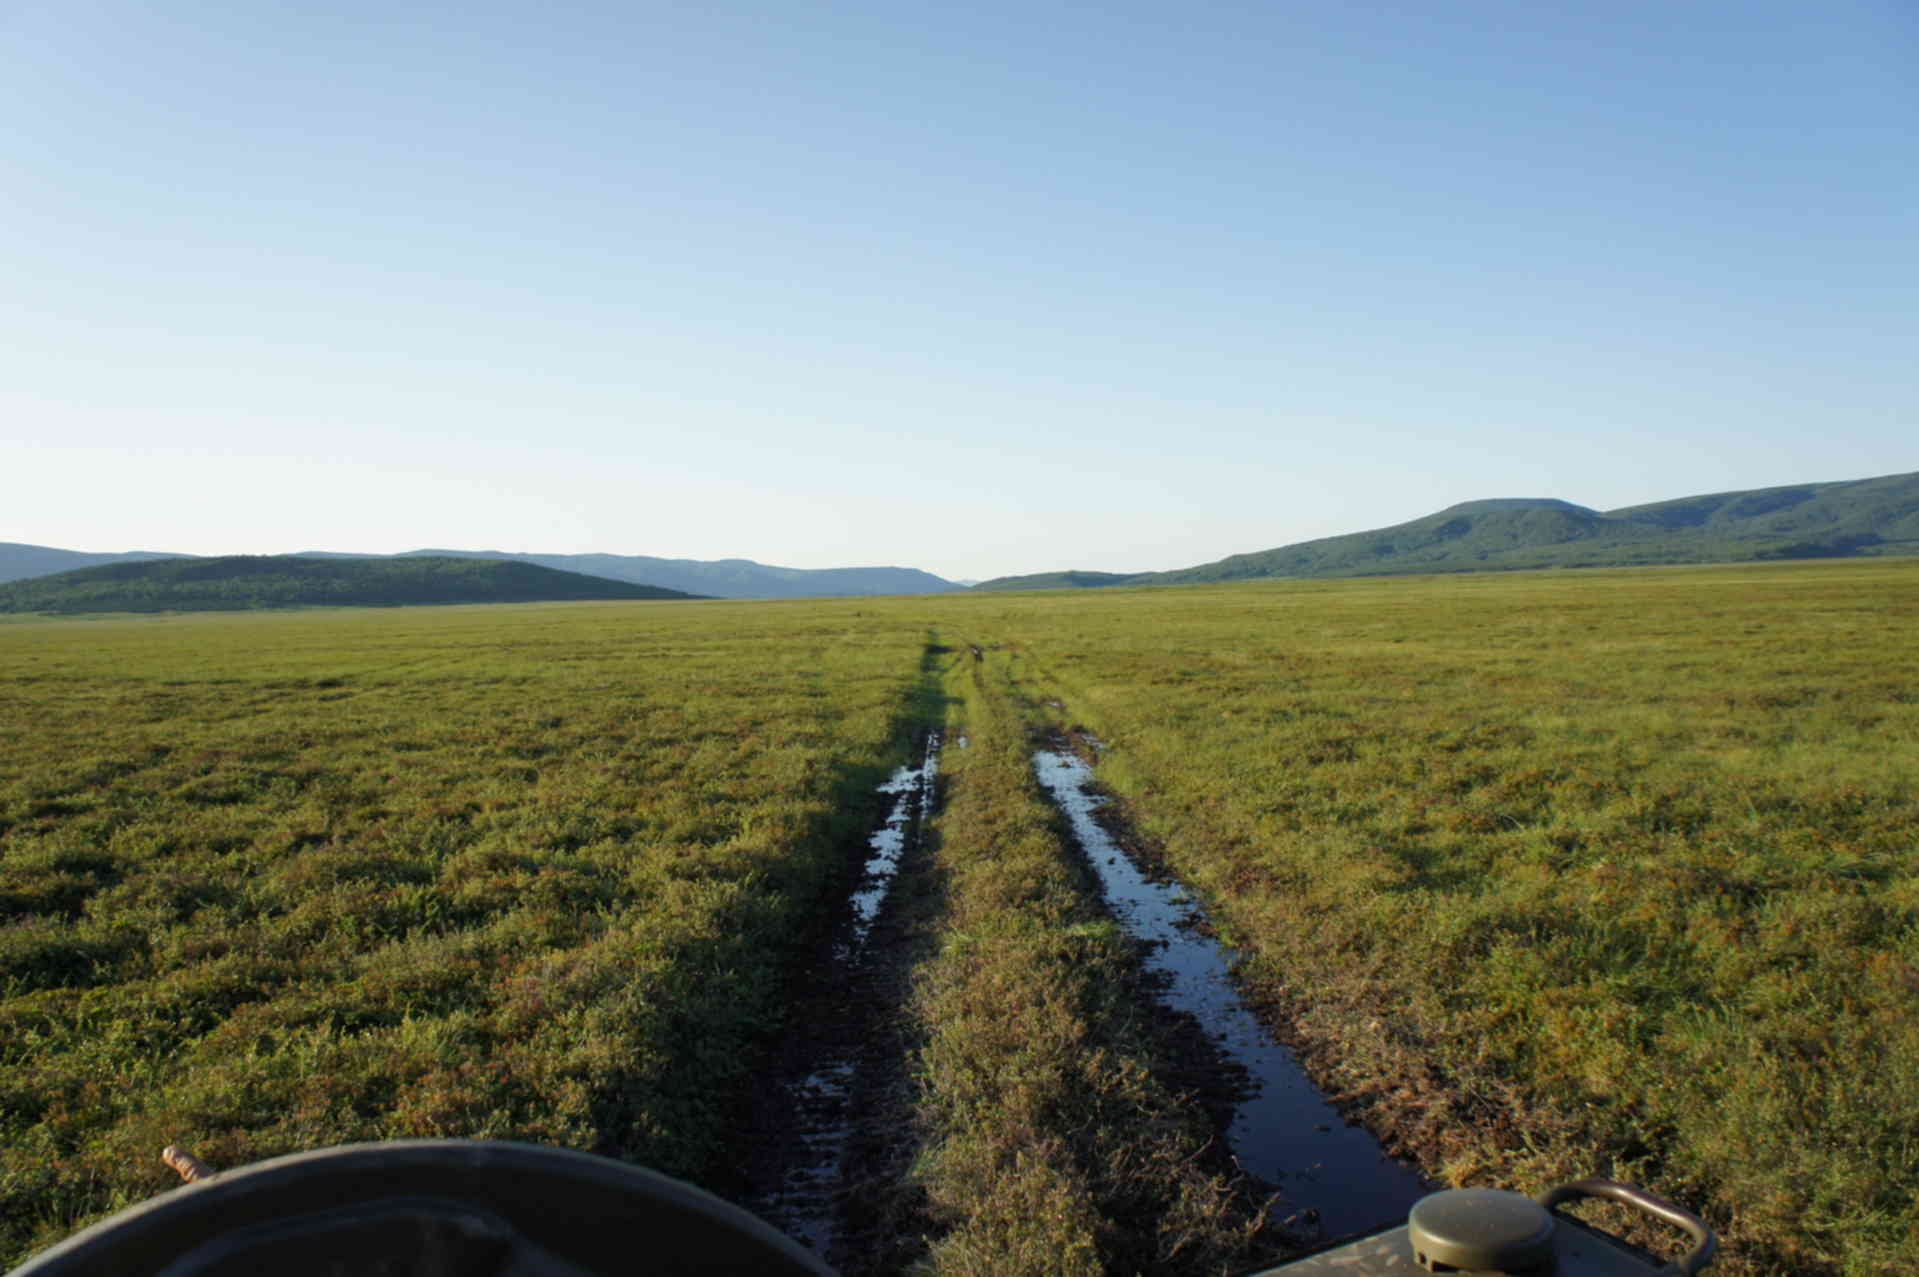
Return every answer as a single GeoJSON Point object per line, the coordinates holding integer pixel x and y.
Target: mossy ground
{"type": "Point", "coordinates": [1618, 869]}
{"type": "Point", "coordinates": [273, 882]}
{"type": "Point", "coordinates": [1549, 873]}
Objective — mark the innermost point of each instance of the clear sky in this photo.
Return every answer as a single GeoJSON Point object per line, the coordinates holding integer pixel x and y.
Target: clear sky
{"type": "Point", "coordinates": [978, 288]}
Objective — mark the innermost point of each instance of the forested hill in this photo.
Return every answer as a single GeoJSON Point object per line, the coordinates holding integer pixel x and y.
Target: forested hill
{"type": "Point", "coordinates": [702, 578]}
{"type": "Point", "coordinates": [726, 578]}
{"type": "Point", "coordinates": [18, 561]}
{"type": "Point", "coordinates": [1069, 580]}
{"type": "Point", "coordinates": [243, 582]}
{"type": "Point", "coordinates": [1812, 520]}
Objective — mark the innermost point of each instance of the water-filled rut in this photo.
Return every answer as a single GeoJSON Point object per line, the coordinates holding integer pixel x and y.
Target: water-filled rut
{"type": "Point", "coordinates": [811, 1118]}
{"type": "Point", "coordinates": [1283, 1131]}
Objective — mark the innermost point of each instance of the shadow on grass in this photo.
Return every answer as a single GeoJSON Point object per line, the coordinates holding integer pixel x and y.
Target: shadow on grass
{"type": "Point", "coordinates": [831, 1140]}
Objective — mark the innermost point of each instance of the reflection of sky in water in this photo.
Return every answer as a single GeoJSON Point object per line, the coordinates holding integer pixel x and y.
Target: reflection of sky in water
{"type": "Point", "coordinates": [1286, 1133]}
{"type": "Point", "coordinates": [889, 840]}
{"type": "Point", "coordinates": [803, 1206]}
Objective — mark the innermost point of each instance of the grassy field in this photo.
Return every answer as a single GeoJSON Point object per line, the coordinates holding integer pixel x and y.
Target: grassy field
{"type": "Point", "coordinates": [273, 882]}
{"type": "Point", "coordinates": [1052, 1143]}
{"type": "Point", "coordinates": [1547, 873]}
{"type": "Point", "coordinates": [1632, 853]}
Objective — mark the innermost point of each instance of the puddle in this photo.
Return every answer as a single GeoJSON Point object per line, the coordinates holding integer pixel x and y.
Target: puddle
{"type": "Point", "coordinates": [832, 1030]}
{"type": "Point", "coordinates": [802, 1206]}
{"type": "Point", "coordinates": [908, 787]}
{"type": "Point", "coordinates": [1285, 1132]}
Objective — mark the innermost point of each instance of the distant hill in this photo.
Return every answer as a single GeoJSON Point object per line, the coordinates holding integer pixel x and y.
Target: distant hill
{"type": "Point", "coordinates": [1811, 520]}
{"type": "Point", "coordinates": [730, 578]}
{"type": "Point", "coordinates": [19, 562]}
{"type": "Point", "coordinates": [1073, 580]}
{"type": "Point", "coordinates": [243, 582]}
{"type": "Point", "coordinates": [721, 578]}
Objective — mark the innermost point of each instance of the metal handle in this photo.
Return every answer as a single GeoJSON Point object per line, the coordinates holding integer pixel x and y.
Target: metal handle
{"type": "Point", "coordinates": [1705, 1245]}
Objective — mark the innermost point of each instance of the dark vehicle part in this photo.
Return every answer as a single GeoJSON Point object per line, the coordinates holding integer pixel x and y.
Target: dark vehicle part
{"type": "Point", "coordinates": [430, 1208]}
{"type": "Point", "coordinates": [1487, 1232]}
{"type": "Point", "coordinates": [482, 1208]}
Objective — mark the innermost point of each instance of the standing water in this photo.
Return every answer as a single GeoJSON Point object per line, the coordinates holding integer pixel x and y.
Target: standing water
{"type": "Point", "coordinates": [908, 787]}
{"type": "Point", "coordinates": [834, 1023]}
{"type": "Point", "coordinates": [1285, 1132]}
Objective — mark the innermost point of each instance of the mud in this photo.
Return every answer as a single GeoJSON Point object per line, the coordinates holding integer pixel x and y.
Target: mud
{"type": "Point", "coordinates": [909, 788]}
{"type": "Point", "coordinates": [827, 1137]}
{"type": "Point", "coordinates": [1333, 1177]}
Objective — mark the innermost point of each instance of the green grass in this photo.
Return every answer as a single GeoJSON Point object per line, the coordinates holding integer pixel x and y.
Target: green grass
{"type": "Point", "coordinates": [1050, 1144]}
{"type": "Point", "coordinates": [1552, 873]}
{"type": "Point", "coordinates": [1636, 847]}
{"type": "Point", "coordinates": [273, 882]}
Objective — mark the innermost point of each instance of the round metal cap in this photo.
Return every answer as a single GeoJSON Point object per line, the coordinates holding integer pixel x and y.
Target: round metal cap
{"type": "Point", "coordinates": [1483, 1230]}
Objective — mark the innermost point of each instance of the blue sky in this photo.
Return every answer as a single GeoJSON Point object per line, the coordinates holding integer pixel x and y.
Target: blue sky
{"type": "Point", "coordinates": [981, 288]}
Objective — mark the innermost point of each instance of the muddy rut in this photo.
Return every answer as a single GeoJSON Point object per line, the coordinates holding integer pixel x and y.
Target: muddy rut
{"type": "Point", "coordinates": [834, 1136]}
{"type": "Point", "coordinates": [1332, 1178]}
{"type": "Point", "coordinates": [830, 1153]}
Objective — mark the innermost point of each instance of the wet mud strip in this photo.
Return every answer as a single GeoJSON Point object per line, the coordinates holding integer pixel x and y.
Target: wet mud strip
{"type": "Point", "coordinates": [828, 1145]}
{"type": "Point", "coordinates": [1333, 1178]}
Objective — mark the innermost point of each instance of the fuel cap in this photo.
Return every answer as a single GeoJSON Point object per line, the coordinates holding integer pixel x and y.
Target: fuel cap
{"type": "Point", "coordinates": [1481, 1230]}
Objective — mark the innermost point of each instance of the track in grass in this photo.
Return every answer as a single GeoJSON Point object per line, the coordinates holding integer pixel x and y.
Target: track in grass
{"type": "Point", "coordinates": [837, 1055]}
{"type": "Point", "coordinates": [271, 882]}
{"type": "Point", "coordinates": [1555, 874]}
{"type": "Point", "coordinates": [1334, 1177]}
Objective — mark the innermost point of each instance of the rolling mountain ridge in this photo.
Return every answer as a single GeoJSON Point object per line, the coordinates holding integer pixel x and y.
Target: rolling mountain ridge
{"type": "Point", "coordinates": [245, 582]}
{"type": "Point", "coordinates": [721, 578]}
{"type": "Point", "coordinates": [1814, 520]}
{"type": "Point", "coordinates": [730, 578]}
{"type": "Point", "coordinates": [23, 562]}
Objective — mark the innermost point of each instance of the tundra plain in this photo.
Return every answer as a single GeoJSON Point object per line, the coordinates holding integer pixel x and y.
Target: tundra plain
{"type": "Point", "coordinates": [1544, 874]}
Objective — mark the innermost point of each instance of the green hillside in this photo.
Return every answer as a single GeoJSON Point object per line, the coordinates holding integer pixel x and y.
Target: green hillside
{"type": "Point", "coordinates": [19, 561]}
{"type": "Point", "coordinates": [700, 578]}
{"type": "Point", "coordinates": [714, 578]}
{"type": "Point", "coordinates": [242, 582]}
{"type": "Point", "coordinates": [1812, 520]}
{"type": "Point", "coordinates": [1060, 581]}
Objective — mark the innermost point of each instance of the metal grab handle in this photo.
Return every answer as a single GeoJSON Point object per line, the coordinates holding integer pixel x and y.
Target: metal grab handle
{"type": "Point", "coordinates": [1705, 1245]}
